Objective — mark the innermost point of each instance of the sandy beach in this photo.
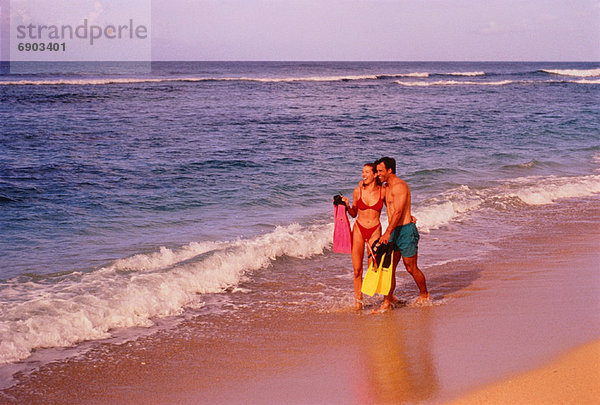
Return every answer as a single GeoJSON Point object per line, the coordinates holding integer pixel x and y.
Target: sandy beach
{"type": "Point", "coordinates": [168, 179]}
{"type": "Point", "coordinates": [573, 378]}
{"type": "Point", "coordinates": [535, 298]}
{"type": "Point", "coordinates": [169, 173]}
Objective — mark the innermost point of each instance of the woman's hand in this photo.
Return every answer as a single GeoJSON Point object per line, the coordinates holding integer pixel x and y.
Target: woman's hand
{"type": "Point", "coordinates": [346, 201]}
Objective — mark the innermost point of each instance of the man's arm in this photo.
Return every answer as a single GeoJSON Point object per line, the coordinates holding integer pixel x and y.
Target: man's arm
{"type": "Point", "coordinates": [399, 198]}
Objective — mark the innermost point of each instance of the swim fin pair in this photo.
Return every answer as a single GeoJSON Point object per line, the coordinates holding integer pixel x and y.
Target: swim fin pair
{"type": "Point", "coordinates": [342, 240]}
{"type": "Point", "coordinates": [378, 279]}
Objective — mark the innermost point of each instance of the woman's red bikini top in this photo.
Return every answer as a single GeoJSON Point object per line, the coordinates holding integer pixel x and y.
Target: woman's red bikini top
{"type": "Point", "coordinates": [378, 206]}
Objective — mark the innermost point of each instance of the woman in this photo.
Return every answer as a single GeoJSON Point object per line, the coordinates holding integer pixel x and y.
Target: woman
{"type": "Point", "coordinates": [367, 203]}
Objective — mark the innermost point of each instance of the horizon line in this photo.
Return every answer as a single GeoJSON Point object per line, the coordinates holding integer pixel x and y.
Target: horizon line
{"type": "Point", "coordinates": [310, 61]}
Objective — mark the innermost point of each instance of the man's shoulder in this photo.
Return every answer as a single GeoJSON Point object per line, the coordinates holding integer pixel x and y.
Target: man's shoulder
{"type": "Point", "coordinates": [397, 184]}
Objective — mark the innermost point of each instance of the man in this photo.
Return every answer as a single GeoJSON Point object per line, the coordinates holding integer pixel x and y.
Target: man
{"type": "Point", "coordinates": [401, 231]}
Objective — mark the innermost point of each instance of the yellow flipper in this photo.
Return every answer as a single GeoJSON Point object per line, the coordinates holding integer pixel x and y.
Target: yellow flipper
{"type": "Point", "coordinates": [371, 279]}
{"type": "Point", "coordinates": [385, 280]}
{"type": "Point", "coordinates": [378, 280]}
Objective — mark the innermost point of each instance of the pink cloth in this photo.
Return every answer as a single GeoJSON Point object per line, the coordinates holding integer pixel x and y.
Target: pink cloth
{"type": "Point", "coordinates": [342, 240]}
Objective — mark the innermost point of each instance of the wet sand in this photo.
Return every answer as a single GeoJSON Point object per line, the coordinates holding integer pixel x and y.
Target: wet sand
{"type": "Point", "coordinates": [534, 298]}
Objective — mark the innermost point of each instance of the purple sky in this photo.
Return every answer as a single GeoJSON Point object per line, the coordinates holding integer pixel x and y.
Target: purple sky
{"type": "Point", "coordinates": [406, 30]}
{"type": "Point", "coordinates": [394, 30]}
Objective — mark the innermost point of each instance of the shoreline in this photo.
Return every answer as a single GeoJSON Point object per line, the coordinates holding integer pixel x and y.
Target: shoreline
{"type": "Point", "coordinates": [488, 322]}
{"type": "Point", "coordinates": [571, 378]}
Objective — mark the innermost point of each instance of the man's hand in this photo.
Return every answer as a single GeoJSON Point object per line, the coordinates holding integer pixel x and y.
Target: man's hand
{"type": "Point", "coordinates": [385, 238]}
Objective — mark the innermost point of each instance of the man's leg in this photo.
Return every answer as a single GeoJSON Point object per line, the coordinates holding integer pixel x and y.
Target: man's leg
{"type": "Point", "coordinates": [391, 297]}
{"type": "Point", "coordinates": [411, 266]}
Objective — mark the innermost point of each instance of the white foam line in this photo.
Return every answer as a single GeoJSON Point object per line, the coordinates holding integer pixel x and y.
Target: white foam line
{"type": "Point", "coordinates": [465, 74]}
{"type": "Point", "coordinates": [583, 81]}
{"type": "Point", "coordinates": [105, 81]}
{"type": "Point", "coordinates": [495, 83]}
{"type": "Point", "coordinates": [574, 72]}
{"type": "Point", "coordinates": [192, 79]}
{"type": "Point", "coordinates": [454, 83]}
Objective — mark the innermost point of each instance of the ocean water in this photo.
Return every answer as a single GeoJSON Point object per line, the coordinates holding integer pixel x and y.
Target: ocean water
{"type": "Point", "coordinates": [131, 199]}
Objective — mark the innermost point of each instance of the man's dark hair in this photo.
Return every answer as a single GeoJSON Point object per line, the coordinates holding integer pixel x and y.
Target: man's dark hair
{"type": "Point", "coordinates": [390, 163]}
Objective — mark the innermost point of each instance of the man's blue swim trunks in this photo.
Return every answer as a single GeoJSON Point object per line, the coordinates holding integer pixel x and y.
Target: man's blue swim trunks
{"type": "Point", "coordinates": [405, 239]}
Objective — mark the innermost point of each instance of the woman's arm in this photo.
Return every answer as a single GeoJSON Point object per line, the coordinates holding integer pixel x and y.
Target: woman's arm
{"type": "Point", "coordinates": [352, 209]}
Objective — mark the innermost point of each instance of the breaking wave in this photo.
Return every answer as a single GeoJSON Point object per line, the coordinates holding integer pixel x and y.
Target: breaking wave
{"type": "Point", "coordinates": [63, 310]}
{"type": "Point", "coordinates": [574, 72]}
{"type": "Point", "coordinates": [489, 83]}
{"type": "Point", "coordinates": [454, 83]}
{"type": "Point", "coordinates": [455, 203]}
{"type": "Point", "coordinates": [68, 309]}
{"type": "Point", "coordinates": [134, 80]}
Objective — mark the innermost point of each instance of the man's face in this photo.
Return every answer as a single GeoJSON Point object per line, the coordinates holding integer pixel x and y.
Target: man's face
{"type": "Point", "coordinates": [382, 172]}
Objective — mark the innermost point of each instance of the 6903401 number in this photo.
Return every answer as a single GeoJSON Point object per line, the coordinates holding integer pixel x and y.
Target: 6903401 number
{"type": "Point", "coordinates": [41, 47]}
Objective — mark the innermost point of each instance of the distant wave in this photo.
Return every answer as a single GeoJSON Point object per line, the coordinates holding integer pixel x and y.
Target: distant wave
{"type": "Point", "coordinates": [429, 74]}
{"type": "Point", "coordinates": [490, 83]}
{"type": "Point", "coordinates": [464, 74]}
{"type": "Point", "coordinates": [341, 78]}
{"type": "Point", "coordinates": [597, 81]}
{"type": "Point", "coordinates": [75, 82]}
{"type": "Point", "coordinates": [105, 81]}
{"type": "Point", "coordinates": [574, 72]}
{"type": "Point", "coordinates": [454, 83]}
{"type": "Point", "coordinates": [580, 73]}
{"type": "Point", "coordinates": [392, 76]}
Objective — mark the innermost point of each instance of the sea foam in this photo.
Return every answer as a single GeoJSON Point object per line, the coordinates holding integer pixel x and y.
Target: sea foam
{"type": "Point", "coordinates": [574, 72]}
{"type": "Point", "coordinates": [581, 74]}
{"type": "Point", "coordinates": [457, 203]}
{"type": "Point", "coordinates": [64, 310]}
{"type": "Point", "coordinates": [468, 74]}
{"type": "Point", "coordinates": [546, 190]}
{"type": "Point", "coordinates": [192, 79]}
{"type": "Point", "coordinates": [454, 83]}
{"type": "Point", "coordinates": [490, 83]}
{"type": "Point", "coordinates": [107, 81]}
{"type": "Point", "coordinates": [135, 291]}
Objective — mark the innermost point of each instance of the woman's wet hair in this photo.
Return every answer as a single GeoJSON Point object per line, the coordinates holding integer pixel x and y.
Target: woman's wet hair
{"type": "Point", "coordinates": [374, 169]}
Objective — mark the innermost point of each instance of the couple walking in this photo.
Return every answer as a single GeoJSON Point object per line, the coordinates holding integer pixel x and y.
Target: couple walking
{"type": "Point", "coordinates": [381, 185]}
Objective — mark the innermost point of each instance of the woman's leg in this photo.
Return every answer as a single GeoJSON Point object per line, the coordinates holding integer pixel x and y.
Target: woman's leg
{"type": "Point", "coordinates": [374, 236]}
{"type": "Point", "coordinates": [358, 251]}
